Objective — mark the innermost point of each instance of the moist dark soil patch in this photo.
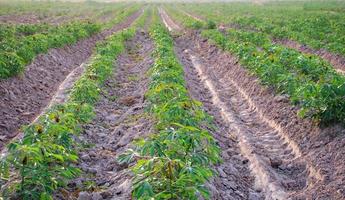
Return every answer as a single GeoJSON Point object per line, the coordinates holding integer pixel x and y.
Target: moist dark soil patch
{"type": "Point", "coordinates": [120, 118]}
{"type": "Point", "coordinates": [23, 97]}
{"type": "Point", "coordinates": [322, 147]}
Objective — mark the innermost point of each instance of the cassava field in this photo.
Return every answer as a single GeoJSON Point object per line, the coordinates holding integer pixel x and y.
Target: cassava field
{"type": "Point", "coordinates": [172, 100]}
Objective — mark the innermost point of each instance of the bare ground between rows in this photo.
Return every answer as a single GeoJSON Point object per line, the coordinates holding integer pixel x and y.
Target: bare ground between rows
{"type": "Point", "coordinates": [23, 97]}
{"type": "Point", "coordinates": [168, 22]}
{"type": "Point", "coordinates": [120, 118]}
{"type": "Point", "coordinates": [322, 148]}
{"type": "Point", "coordinates": [32, 18]}
{"type": "Point", "coordinates": [29, 18]}
{"type": "Point", "coordinates": [234, 180]}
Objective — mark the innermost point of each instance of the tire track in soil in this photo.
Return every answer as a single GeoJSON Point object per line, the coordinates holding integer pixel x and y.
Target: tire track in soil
{"type": "Point", "coordinates": [234, 180]}
{"type": "Point", "coordinates": [278, 170]}
{"type": "Point", "coordinates": [23, 97]}
{"type": "Point", "coordinates": [120, 118]}
{"type": "Point", "coordinates": [168, 22]}
{"type": "Point", "coordinates": [321, 147]}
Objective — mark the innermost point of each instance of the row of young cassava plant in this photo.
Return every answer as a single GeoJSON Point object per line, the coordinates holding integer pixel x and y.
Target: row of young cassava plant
{"type": "Point", "coordinates": [313, 27]}
{"type": "Point", "coordinates": [188, 21]}
{"type": "Point", "coordinates": [21, 30]}
{"type": "Point", "coordinates": [309, 81]}
{"type": "Point", "coordinates": [34, 12]}
{"type": "Point", "coordinates": [44, 159]}
{"type": "Point", "coordinates": [12, 32]}
{"type": "Point", "coordinates": [176, 160]}
{"type": "Point", "coordinates": [16, 53]}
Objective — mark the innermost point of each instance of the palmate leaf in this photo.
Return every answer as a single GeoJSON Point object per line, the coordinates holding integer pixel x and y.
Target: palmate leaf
{"type": "Point", "coordinates": [43, 158]}
{"type": "Point", "coordinates": [143, 190]}
{"type": "Point", "coordinates": [69, 172]}
{"type": "Point", "coordinates": [4, 169]}
{"type": "Point", "coordinates": [45, 196]}
{"type": "Point", "coordinates": [126, 157]}
{"type": "Point", "coordinates": [178, 141]}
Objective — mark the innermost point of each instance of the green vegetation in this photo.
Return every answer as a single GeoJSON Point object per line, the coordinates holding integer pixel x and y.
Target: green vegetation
{"type": "Point", "coordinates": [53, 9]}
{"type": "Point", "coordinates": [16, 53]}
{"type": "Point", "coordinates": [16, 50]}
{"type": "Point", "coordinates": [175, 161]}
{"type": "Point", "coordinates": [316, 24]}
{"type": "Point", "coordinates": [310, 82]}
{"type": "Point", "coordinates": [45, 158]}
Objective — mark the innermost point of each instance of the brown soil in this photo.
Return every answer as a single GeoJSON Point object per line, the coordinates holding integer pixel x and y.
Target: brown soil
{"type": "Point", "coordinates": [169, 23]}
{"type": "Point", "coordinates": [305, 160]}
{"type": "Point", "coordinates": [29, 18]}
{"type": "Point", "coordinates": [115, 126]}
{"type": "Point", "coordinates": [23, 97]}
{"type": "Point", "coordinates": [337, 61]}
{"type": "Point", "coordinates": [192, 15]}
{"type": "Point", "coordinates": [234, 180]}
{"type": "Point", "coordinates": [291, 158]}
{"type": "Point", "coordinates": [32, 18]}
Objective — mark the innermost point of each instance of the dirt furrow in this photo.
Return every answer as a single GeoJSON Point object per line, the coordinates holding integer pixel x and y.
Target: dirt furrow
{"type": "Point", "coordinates": [197, 18]}
{"type": "Point", "coordinates": [277, 169]}
{"type": "Point", "coordinates": [168, 22]}
{"type": "Point", "coordinates": [23, 97]}
{"type": "Point", "coordinates": [120, 118]}
{"type": "Point", "coordinates": [320, 147]}
{"type": "Point", "coordinates": [282, 149]}
{"type": "Point", "coordinates": [234, 180]}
